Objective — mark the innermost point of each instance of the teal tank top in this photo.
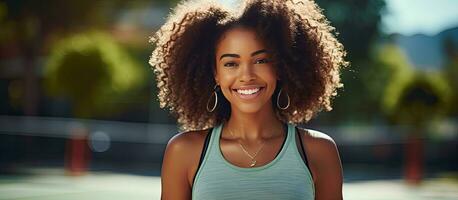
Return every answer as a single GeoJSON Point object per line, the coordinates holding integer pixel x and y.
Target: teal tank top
{"type": "Point", "coordinates": [285, 177]}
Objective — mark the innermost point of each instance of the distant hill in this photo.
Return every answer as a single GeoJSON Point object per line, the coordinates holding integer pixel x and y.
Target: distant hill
{"type": "Point", "coordinates": [426, 52]}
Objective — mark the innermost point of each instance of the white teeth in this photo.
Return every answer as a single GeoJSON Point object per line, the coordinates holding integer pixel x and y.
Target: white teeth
{"type": "Point", "coordinates": [249, 91]}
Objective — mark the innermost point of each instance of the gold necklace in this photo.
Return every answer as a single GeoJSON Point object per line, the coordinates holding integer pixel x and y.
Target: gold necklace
{"type": "Point", "coordinates": [253, 161]}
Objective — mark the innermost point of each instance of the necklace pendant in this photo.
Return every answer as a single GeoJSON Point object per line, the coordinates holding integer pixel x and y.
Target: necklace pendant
{"type": "Point", "coordinates": [253, 163]}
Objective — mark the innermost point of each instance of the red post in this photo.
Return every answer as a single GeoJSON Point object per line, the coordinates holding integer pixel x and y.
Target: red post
{"type": "Point", "coordinates": [77, 152]}
{"type": "Point", "coordinates": [414, 160]}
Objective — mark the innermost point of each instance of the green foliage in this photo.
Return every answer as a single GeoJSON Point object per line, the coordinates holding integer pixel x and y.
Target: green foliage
{"type": "Point", "coordinates": [451, 72]}
{"type": "Point", "coordinates": [405, 95]}
{"type": "Point", "coordinates": [390, 64]}
{"type": "Point", "coordinates": [91, 70]}
{"type": "Point", "coordinates": [356, 21]}
{"type": "Point", "coordinates": [357, 24]}
{"type": "Point", "coordinates": [6, 32]}
{"type": "Point", "coordinates": [3, 11]}
{"type": "Point", "coordinates": [368, 84]}
{"type": "Point", "coordinates": [417, 99]}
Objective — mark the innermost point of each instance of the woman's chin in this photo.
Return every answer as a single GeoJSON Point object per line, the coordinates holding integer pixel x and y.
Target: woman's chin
{"type": "Point", "coordinates": [250, 108]}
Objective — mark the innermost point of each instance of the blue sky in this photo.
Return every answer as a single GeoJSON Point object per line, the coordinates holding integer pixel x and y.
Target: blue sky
{"type": "Point", "coordinates": [420, 16]}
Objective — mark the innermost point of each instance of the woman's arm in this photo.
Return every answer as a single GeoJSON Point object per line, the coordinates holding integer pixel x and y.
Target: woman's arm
{"type": "Point", "coordinates": [325, 165]}
{"type": "Point", "coordinates": [174, 173]}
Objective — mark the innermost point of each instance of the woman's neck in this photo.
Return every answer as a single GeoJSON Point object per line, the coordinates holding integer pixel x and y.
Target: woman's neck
{"type": "Point", "coordinates": [253, 126]}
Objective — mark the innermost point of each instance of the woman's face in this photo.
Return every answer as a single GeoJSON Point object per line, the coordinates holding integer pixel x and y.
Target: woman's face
{"type": "Point", "coordinates": [244, 70]}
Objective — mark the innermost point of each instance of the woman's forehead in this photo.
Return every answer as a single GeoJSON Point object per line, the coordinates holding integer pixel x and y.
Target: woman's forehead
{"type": "Point", "coordinates": [239, 40]}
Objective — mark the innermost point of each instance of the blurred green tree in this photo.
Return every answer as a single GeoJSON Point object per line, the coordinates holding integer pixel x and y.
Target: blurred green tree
{"type": "Point", "coordinates": [407, 97]}
{"type": "Point", "coordinates": [389, 63]}
{"type": "Point", "coordinates": [29, 26]}
{"type": "Point", "coordinates": [416, 99]}
{"type": "Point", "coordinates": [92, 71]}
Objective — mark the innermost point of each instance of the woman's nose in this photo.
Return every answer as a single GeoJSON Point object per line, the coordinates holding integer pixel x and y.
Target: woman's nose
{"type": "Point", "coordinates": [246, 73]}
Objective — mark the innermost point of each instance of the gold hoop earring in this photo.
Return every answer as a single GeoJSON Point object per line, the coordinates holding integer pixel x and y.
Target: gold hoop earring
{"type": "Point", "coordinates": [216, 100]}
{"type": "Point", "coordinates": [278, 100]}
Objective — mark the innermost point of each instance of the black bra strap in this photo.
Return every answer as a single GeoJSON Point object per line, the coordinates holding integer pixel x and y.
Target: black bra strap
{"type": "Point", "coordinates": [204, 150]}
{"type": "Point", "coordinates": [302, 148]}
{"type": "Point", "coordinates": [285, 128]}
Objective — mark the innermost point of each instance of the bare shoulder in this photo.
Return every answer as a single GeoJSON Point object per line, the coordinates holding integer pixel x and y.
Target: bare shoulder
{"type": "Point", "coordinates": [186, 140]}
{"type": "Point", "coordinates": [317, 139]}
{"type": "Point", "coordinates": [321, 150]}
{"type": "Point", "coordinates": [185, 145]}
{"type": "Point", "coordinates": [181, 154]}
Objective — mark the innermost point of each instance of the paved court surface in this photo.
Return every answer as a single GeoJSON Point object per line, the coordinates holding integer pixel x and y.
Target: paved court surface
{"type": "Point", "coordinates": [53, 184]}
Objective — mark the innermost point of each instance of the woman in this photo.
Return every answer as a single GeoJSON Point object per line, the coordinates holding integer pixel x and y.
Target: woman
{"type": "Point", "coordinates": [237, 80]}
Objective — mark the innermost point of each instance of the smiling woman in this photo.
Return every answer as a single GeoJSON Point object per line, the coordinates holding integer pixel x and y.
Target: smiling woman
{"type": "Point", "coordinates": [238, 82]}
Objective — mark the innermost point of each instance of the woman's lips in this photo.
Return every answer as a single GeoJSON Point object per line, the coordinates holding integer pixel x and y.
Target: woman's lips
{"type": "Point", "coordinates": [248, 93]}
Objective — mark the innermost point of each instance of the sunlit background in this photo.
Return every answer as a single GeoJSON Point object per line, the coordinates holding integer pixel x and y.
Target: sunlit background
{"type": "Point", "coordinates": [79, 117]}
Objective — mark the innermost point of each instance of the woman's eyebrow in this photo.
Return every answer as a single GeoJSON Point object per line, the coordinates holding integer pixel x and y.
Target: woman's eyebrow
{"type": "Point", "coordinates": [229, 55]}
{"type": "Point", "coordinates": [238, 56]}
{"type": "Point", "coordinates": [258, 52]}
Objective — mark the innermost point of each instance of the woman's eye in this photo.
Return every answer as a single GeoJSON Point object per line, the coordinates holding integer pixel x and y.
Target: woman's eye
{"type": "Point", "coordinates": [261, 61]}
{"type": "Point", "coordinates": [230, 64]}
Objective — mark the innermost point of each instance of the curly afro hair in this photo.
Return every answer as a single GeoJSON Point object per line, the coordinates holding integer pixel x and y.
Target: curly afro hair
{"type": "Point", "coordinates": [307, 54]}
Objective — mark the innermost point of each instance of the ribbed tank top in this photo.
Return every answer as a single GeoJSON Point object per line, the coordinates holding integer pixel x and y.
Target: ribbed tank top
{"type": "Point", "coordinates": [285, 177]}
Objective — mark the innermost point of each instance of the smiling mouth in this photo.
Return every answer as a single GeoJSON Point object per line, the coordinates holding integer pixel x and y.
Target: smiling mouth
{"type": "Point", "coordinates": [249, 93]}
